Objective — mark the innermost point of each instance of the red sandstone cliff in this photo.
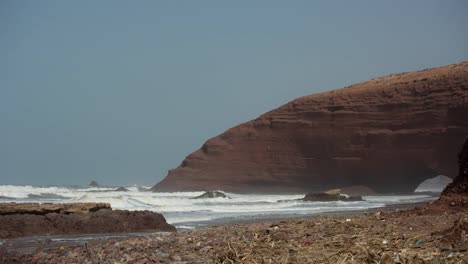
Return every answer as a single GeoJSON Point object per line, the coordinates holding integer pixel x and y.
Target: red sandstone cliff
{"type": "Point", "coordinates": [389, 133]}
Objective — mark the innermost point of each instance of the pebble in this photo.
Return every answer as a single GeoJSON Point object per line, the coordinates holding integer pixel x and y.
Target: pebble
{"type": "Point", "coordinates": [205, 249]}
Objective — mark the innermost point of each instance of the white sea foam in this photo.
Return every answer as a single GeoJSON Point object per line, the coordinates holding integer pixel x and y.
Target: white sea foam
{"type": "Point", "coordinates": [178, 207]}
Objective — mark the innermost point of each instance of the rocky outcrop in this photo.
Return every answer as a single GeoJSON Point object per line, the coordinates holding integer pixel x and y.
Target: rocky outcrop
{"type": "Point", "coordinates": [459, 186]}
{"type": "Point", "coordinates": [17, 220]}
{"type": "Point", "coordinates": [352, 191]}
{"type": "Point", "coordinates": [211, 194]}
{"type": "Point", "coordinates": [389, 134]}
{"type": "Point", "coordinates": [47, 208]}
{"type": "Point", "coordinates": [329, 197]}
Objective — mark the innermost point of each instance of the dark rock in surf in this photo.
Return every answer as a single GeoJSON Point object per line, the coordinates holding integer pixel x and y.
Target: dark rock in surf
{"type": "Point", "coordinates": [211, 194]}
{"type": "Point", "coordinates": [93, 184]}
{"type": "Point", "coordinates": [329, 197]}
{"type": "Point", "coordinates": [121, 189]}
{"type": "Point", "coordinates": [46, 196]}
{"type": "Point", "coordinates": [142, 189]}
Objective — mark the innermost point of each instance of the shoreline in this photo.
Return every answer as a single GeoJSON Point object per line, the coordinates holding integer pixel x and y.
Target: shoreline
{"type": "Point", "coordinates": [262, 218]}
{"type": "Point", "coordinates": [30, 244]}
{"type": "Point", "coordinates": [430, 233]}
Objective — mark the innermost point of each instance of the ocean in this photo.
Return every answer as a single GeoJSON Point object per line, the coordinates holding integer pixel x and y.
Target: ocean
{"type": "Point", "coordinates": [183, 212]}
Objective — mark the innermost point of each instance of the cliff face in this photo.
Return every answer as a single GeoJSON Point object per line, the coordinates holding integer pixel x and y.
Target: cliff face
{"type": "Point", "coordinates": [389, 133]}
{"type": "Point", "coordinates": [459, 186]}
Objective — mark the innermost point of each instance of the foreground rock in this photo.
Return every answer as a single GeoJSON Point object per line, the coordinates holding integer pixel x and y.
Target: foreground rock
{"type": "Point", "coordinates": [17, 220]}
{"type": "Point", "coordinates": [389, 133]}
{"type": "Point", "coordinates": [211, 194]}
{"type": "Point", "coordinates": [330, 197]}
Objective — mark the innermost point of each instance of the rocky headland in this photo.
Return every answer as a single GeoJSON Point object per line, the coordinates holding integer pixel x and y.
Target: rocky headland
{"type": "Point", "coordinates": [432, 233]}
{"type": "Point", "coordinates": [18, 220]}
{"type": "Point", "coordinates": [389, 134]}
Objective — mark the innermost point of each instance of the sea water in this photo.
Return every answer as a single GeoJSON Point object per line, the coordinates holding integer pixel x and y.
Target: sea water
{"type": "Point", "coordinates": [181, 210]}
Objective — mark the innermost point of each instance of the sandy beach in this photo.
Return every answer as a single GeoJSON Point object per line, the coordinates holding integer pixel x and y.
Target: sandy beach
{"type": "Point", "coordinates": [432, 233]}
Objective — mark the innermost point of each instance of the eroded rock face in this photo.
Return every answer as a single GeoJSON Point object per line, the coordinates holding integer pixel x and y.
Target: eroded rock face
{"type": "Point", "coordinates": [17, 220]}
{"type": "Point", "coordinates": [389, 134]}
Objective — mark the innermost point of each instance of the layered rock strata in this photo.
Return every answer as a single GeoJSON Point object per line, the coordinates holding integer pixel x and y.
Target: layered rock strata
{"type": "Point", "coordinates": [18, 220]}
{"type": "Point", "coordinates": [389, 134]}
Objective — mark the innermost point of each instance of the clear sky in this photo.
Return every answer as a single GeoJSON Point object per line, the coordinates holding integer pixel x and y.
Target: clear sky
{"type": "Point", "coordinates": [122, 91]}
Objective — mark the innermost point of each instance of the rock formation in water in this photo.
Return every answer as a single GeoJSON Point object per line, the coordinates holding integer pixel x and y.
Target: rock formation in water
{"type": "Point", "coordinates": [93, 184]}
{"type": "Point", "coordinates": [357, 190]}
{"type": "Point", "coordinates": [17, 220]}
{"type": "Point", "coordinates": [121, 189]}
{"type": "Point", "coordinates": [329, 197]}
{"type": "Point", "coordinates": [211, 194]}
{"type": "Point", "coordinates": [389, 134]}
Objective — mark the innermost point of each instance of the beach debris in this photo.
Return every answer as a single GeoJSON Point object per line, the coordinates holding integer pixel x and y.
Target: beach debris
{"type": "Point", "coordinates": [418, 242]}
{"type": "Point", "coordinates": [205, 249]}
{"type": "Point", "coordinates": [321, 239]}
{"type": "Point", "coordinates": [379, 216]}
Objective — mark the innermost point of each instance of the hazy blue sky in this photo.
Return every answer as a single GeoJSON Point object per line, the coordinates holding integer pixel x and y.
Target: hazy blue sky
{"type": "Point", "coordinates": [122, 91]}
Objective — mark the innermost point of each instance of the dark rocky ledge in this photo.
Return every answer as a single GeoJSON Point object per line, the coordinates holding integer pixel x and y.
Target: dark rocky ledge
{"type": "Point", "coordinates": [211, 194]}
{"type": "Point", "coordinates": [18, 220]}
